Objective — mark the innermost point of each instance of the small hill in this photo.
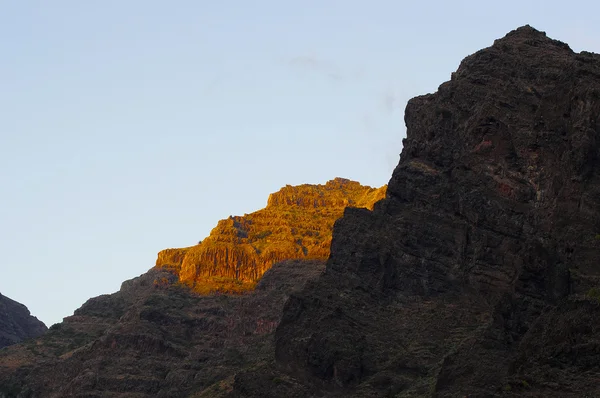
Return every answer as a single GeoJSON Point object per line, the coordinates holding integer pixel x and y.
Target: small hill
{"type": "Point", "coordinates": [296, 224]}
{"type": "Point", "coordinates": [16, 323]}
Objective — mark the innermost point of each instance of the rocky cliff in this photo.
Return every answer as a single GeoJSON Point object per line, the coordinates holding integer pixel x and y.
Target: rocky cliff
{"type": "Point", "coordinates": [296, 224]}
{"type": "Point", "coordinates": [478, 275]}
{"type": "Point", "coordinates": [16, 323]}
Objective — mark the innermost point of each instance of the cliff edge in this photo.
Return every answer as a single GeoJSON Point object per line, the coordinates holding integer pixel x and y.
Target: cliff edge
{"type": "Point", "coordinates": [296, 224]}
{"type": "Point", "coordinates": [478, 275]}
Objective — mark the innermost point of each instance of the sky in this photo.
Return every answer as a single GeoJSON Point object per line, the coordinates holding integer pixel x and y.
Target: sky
{"type": "Point", "coordinates": [127, 127]}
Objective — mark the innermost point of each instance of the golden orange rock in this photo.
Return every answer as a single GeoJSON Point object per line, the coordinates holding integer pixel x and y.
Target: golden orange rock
{"type": "Point", "coordinates": [296, 224]}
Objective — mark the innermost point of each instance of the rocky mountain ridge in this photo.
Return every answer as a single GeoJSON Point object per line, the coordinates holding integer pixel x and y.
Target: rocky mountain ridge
{"type": "Point", "coordinates": [296, 224]}
{"type": "Point", "coordinates": [158, 337]}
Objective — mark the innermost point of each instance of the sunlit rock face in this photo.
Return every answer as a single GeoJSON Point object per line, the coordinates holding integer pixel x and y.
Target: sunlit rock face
{"type": "Point", "coordinates": [296, 224]}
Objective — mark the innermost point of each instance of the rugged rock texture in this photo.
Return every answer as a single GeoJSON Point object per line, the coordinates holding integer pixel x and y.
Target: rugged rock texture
{"type": "Point", "coordinates": [296, 224]}
{"type": "Point", "coordinates": [477, 276]}
{"type": "Point", "coordinates": [154, 338]}
{"type": "Point", "coordinates": [16, 323]}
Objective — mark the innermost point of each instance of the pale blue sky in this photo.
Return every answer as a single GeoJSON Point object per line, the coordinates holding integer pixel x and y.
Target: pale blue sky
{"type": "Point", "coordinates": [131, 126]}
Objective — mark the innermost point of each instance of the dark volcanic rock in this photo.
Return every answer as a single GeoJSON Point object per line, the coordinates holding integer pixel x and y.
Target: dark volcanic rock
{"type": "Point", "coordinates": [477, 275]}
{"type": "Point", "coordinates": [16, 323]}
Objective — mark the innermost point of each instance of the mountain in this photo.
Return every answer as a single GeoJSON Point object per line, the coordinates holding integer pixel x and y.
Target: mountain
{"type": "Point", "coordinates": [157, 337]}
{"type": "Point", "coordinates": [296, 224]}
{"type": "Point", "coordinates": [478, 275]}
{"type": "Point", "coordinates": [16, 323]}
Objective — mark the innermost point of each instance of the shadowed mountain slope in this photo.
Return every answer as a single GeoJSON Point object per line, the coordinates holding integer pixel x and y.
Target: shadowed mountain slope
{"type": "Point", "coordinates": [154, 338]}
{"type": "Point", "coordinates": [478, 275]}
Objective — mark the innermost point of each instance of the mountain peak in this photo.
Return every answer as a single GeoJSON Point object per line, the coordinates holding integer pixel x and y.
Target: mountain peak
{"type": "Point", "coordinates": [477, 273]}
{"type": "Point", "coordinates": [529, 36]}
{"type": "Point", "coordinates": [296, 224]}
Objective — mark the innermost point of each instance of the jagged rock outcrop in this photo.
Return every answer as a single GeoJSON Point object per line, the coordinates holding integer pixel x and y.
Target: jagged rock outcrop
{"type": "Point", "coordinates": [296, 224]}
{"type": "Point", "coordinates": [154, 338]}
{"type": "Point", "coordinates": [478, 275]}
{"type": "Point", "coordinates": [16, 323]}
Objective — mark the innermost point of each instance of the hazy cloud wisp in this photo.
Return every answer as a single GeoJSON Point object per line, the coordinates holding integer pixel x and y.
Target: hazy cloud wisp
{"type": "Point", "coordinates": [310, 62]}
